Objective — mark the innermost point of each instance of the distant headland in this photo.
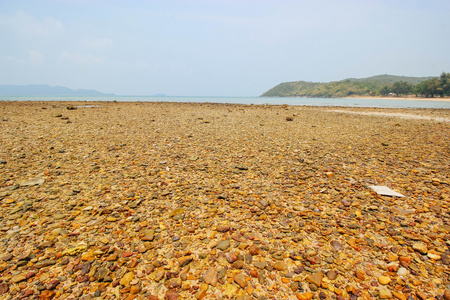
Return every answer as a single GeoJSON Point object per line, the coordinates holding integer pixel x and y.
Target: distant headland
{"type": "Point", "coordinates": [36, 90]}
{"type": "Point", "coordinates": [380, 85]}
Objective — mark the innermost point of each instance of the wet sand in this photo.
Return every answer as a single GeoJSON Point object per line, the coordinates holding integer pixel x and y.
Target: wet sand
{"type": "Point", "coordinates": [216, 201]}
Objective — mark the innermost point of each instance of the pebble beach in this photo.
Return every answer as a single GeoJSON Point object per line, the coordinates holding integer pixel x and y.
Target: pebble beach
{"type": "Point", "coordinates": [153, 200]}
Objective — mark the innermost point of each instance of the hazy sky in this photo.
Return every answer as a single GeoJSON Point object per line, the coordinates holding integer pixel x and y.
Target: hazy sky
{"type": "Point", "coordinates": [217, 47]}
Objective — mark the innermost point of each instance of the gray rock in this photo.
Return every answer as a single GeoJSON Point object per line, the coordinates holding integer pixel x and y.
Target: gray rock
{"type": "Point", "coordinates": [223, 245]}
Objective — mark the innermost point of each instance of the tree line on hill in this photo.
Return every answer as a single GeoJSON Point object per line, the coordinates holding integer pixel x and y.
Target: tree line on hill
{"type": "Point", "coordinates": [434, 87]}
{"type": "Point", "coordinates": [381, 85]}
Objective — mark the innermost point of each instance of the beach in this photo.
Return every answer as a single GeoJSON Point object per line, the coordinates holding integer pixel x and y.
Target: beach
{"type": "Point", "coordinates": [161, 200]}
{"type": "Point", "coordinates": [412, 98]}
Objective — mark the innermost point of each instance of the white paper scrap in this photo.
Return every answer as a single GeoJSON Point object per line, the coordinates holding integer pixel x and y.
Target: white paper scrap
{"type": "Point", "coordinates": [385, 191]}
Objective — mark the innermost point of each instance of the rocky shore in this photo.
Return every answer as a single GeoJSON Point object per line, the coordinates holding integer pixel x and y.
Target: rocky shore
{"type": "Point", "coordinates": [214, 201]}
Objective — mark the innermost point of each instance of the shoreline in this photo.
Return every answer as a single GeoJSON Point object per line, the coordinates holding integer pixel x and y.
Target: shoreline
{"type": "Point", "coordinates": [400, 98]}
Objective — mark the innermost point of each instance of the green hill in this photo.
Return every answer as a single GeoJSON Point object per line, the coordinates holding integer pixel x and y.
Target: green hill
{"type": "Point", "coordinates": [352, 86]}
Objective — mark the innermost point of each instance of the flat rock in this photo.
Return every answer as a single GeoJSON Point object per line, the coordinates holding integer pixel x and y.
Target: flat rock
{"type": "Point", "coordinates": [38, 180]}
{"type": "Point", "coordinates": [223, 245]}
{"type": "Point", "coordinates": [183, 261]}
{"type": "Point", "coordinates": [402, 211]}
{"type": "Point", "coordinates": [44, 263]}
{"type": "Point", "coordinates": [384, 293]}
{"type": "Point", "coordinates": [384, 280]}
{"type": "Point", "coordinates": [126, 279]}
{"type": "Point", "coordinates": [240, 279]}
{"type": "Point", "coordinates": [18, 278]}
{"type": "Point", "coordinates": [336, 245]}
{"type": "Point", "coordinates": [4, 287]}
{"type": "Point", "coordinates": [315, 278]}
{"type": "Point", "coordinates": [420, 248]}
{"type": "Point", "coordinates": [211, 276]}
{"type": "Point", "coordinates": [280, 266]}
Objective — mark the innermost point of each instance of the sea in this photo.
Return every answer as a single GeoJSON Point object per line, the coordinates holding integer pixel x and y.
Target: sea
{"type": "Point", "coordinates": [347, 102]}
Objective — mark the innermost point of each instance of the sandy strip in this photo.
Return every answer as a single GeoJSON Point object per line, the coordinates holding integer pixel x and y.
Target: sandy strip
{"type": "Point", "coordinates": [447, 99]}
{"type": "Point", "coordinates": [400, 115]}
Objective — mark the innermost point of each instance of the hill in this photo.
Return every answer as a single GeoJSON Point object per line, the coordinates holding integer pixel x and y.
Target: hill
{"type": "Point", "coordinates": [344, 88]}
{"type": "Point", "coordinates": [33, 90]}
{"type": "Point", "coordinates": [389, 79]}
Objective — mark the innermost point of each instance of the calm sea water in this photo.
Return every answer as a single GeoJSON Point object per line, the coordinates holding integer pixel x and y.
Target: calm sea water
{"type": "Point", "coordinates": [254, 100]}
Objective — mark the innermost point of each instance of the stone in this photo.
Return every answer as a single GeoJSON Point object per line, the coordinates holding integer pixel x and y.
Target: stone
{"type": "Point", "coordinates": [402, 272]}
{"type": "Point", "coordinates": [331, 274]}
{"type": "Point", "coordinates": [176, 212]}
{"type": "Point", "coordinates": [253, 250]}
{"type": "Point", "coordinates": [88, 256]}
{"type": "Point", "coordinates": [158, 275]}
{"type": "Point", "coordinates": [18, 278]}
{"type": "Point", "coordinates": [384, 280]}
{"type": "Point", "coordinates": [336, 245]}
{"type": "Point", "coordinates": [223, 245]}
{"type": "Point", "coordinates": [211, 276]}
{"type": "Point", "coordinates": [433, 256]}
{"type": "Point", "coordinates": [304, 296]}
{"type": "Point", "coordinates": [183, 261]}
{"type": "Point", "coordinates": [384, 293]}
{"type": "Point", "coordinates": [360, 274]}
{"type": "Point", "coordinates": [170, 295]}
{"type": "Point", "coordinates": [230, 290]}
{"type": "Point", "coordinates": [421, 295]}
{"type": "Point", "coordinates": [240, 279]}
{"type": "Point", "coordinates": [238, 264]}
{"type": "Point", "coordinates": [47, 295]}
{"type": "Point", "coordinates": [38, 180]}
{"type": "Point", "coordinates": [399, 295]}
{"type": "Point", "coordinates": [315, 278]}
{"type": "Point", "coordinates": [75, 250]}
{"type": "Point", "coordinates": [420, 248]}
{"type": "Point", "coordinates": [280, 266]}
{"type": "Point", "coordinates": [44, 263]}
{"type": "Point", "coordinates": [4, 288]}
{"type": "Point", "coordinates": [173, 283]}
{"type": "Point", "coordinates": [223, 228]}
{"type": "Point", "coordinates": [126, 279]}
{"type": "Point", "coordinates": [260, 264]}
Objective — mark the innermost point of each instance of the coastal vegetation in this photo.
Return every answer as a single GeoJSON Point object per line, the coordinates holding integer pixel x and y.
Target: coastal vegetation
{"type": "Point", "coordinates": [381, 85]}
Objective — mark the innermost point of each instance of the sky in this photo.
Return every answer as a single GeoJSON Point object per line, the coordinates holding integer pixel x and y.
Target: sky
{"type": "Point", "coordinates": [230, 48]}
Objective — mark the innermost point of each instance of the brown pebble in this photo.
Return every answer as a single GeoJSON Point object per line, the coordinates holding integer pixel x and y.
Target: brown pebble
{"type": "Point", "coordinates": [4, 287]}
{"type": "Point", "coordinates": [240, 279]}
{"type": "Point", "coordinates": [238, 264]}
{"type": "Point", "coordinates": [47, 295]}
{"type": "Point", "coordinates": [280, 266]}
{"type": "Point", "coordinates": [211, 276]}
{"type": "Point", "coordinates": [134, 289]}
{"type": "Point", "coordinates": [446, 295]}
{"type": "Point", "coordinates": [172, 295]}
{"type": "Point", "coordinates": [315, 278]}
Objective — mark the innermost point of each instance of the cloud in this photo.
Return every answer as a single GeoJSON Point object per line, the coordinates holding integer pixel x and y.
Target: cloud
{"type": "Point", "coordinates": [96, 43]}
{"type": "Point", "coordinates": [79, 58]}
{"type": "Point", "coordinates": [22, 23]}
{"type": "Point", "coordinates": [35, 58]}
